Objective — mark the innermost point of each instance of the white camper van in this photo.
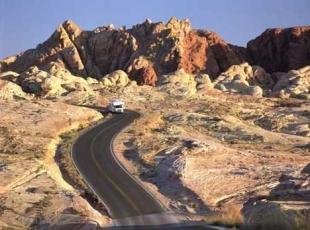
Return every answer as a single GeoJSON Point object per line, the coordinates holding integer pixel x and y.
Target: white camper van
{"type": "Point", "coordinates": [116, 106]}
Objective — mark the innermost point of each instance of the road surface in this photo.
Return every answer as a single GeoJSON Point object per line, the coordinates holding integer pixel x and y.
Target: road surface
{"type": "Point", "coordinates": [95, 160]}
{"type": "Point", "coordinates": [128, 203]}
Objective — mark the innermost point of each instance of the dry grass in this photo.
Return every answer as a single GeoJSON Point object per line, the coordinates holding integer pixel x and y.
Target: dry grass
{"type": "Point", "coordinates": [65, 162]}
{"type": "Point", "coordinates": [230, 216]}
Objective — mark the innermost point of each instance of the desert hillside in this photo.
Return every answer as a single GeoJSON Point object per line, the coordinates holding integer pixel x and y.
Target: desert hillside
{"type": "Point", "coordinates": [223, 137]}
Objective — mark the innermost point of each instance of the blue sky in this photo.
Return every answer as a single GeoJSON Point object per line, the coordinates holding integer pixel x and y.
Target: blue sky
{"type": "Point", "coordinates": [25, 23]}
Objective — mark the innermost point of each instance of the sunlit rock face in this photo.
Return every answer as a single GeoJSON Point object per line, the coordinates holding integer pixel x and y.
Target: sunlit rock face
{"type": "Point", "coordinates": [145, 51]}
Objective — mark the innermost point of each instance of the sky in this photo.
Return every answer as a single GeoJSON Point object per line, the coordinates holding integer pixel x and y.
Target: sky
{"type": "Point", "coordinates": [26, 23]}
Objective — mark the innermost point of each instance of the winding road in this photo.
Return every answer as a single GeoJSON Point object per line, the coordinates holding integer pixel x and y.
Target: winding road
{"type": "Point", "coordinates": [128, 203]}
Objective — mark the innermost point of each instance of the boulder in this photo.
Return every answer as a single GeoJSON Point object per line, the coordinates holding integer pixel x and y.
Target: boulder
{"type": "Point", "coordinates": [91, 80]}
{"type": "Point", "coordinates": [42, 83]}
{"type": "Point", "coordinates": [264, 214]}
{"type": "Point", "coordinates": [244, 79]}
{"type": "Point", "coordinates": [10, 90]}
{"type": "Point", "coordinates": [179, 83]}
{"type": "Point", "coordinates": [142, 71]}
{"type": "Point", "coordinates": [255, 91]}
{"type": "Point", "coordinates": [9, 76]}
{"type": "Point", "coordinates": [295, 83]}
{"type": "Point", "coordinates": [203, 81]}
{"type": "Point", "coordinates": [148, 76]}
{"type": "Point", "coordinates": [117, 78]}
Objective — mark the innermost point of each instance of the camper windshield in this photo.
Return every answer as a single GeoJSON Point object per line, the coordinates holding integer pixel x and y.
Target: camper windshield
{"type": "Point", "coordinates": [118, 106]}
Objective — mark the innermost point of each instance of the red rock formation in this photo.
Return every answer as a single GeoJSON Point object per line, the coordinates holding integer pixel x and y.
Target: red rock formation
{"type": "Point", "coordinates": [149, 50]}
{"type": "Point", "coordinates": [281, 49]}
{"type": "Point", "coordinates": [193, 53]}
{"type": "Point", "coordinates": [142, 71]}
{"type": "Point", "coordinates": [204, 51]}
{"type": "Point", "coordinates": [147, 76]}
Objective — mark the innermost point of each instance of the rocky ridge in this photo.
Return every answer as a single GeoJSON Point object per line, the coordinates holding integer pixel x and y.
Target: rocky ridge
{"type": "Point", "coordinates": [149, 50]}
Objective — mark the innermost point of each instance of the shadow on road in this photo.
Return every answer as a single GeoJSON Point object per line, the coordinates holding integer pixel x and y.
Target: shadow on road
{"type": "Point", "coordinates": [103, 110]}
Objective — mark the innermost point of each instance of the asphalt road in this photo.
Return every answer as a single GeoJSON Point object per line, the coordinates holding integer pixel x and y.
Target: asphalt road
{"type": "Point", "coordinates": [128, 203]}
{"type": "Point", "coordinates": [95, 160]}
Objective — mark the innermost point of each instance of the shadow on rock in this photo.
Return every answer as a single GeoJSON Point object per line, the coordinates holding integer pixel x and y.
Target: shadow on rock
{"type": "Point", "coordinates": [166, 176]}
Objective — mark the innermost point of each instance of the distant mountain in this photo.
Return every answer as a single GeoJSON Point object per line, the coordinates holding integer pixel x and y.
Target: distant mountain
{"type": "Point", "coordinates": [149, 50]}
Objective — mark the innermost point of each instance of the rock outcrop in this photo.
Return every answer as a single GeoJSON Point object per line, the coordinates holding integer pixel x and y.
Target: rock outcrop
{"type": "Point", "coordinates": [142, 71]}
{"type": "Point", "coordinates": [244, 79]}
{"type": "Point", "coordinates": [295, 83]}
{"type": "Point", "coordinates": [9, 76]}
{"type": "Point", "coordinates": [40, 83]}
{"type": "Point", "coordinates": [203, 82]}
{"type": "Point", "coordinates": [117, 78]}
{"type": "Point", "coordinates": [64, 47]}
{"type": "Point", "coordinates": [56, 82]}
{"type": "Point", "coordinates": [10, 90]}
{"type": "Point", "coordinates": [183, 84]}
{"type": "Point", "coordinates": [281, 50]}
{"type": "Point", "coordinates": [179, 83]}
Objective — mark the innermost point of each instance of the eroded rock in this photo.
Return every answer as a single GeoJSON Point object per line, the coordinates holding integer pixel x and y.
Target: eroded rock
{"type": "Point", "coordinates": [42, 83]}
{"type": "Point", "coordinates": [164, 47]}
{"type": "Point", "coordinates": [295, 83]}
{"type": "Point", "coordinates": [9, 90]}
{"type": "Point", "coordinates": [244, 79]}
{"type": "Point", "coordinates": [179, 83]}
{"type": "Point", "coordinates": [116, 78]}
{"type": "Point", "coordinates": [281, 49]}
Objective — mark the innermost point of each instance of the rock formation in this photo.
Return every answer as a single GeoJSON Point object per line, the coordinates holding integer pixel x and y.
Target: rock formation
{"type": "Point", "coordinates": [281, 49]}
{"type": "Point", "coordinates": [182, 84]}
{"type": "Point", "coordinates": [295, 83]}
{"type": "Point", "coordinates": [179, 83]}
{"type": "Point", "coordinates": [9, 90]}
{"type": "Point", "coordinates": [145, 51]}
{"type": "Point", "coordinates": [142, 71]}
{"type": "Point", "coordinates": [244, 79]}
{"type": "Point", "coordinates": [56, 82]}
{"type": "Point", "coordinates": [116, 78]}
